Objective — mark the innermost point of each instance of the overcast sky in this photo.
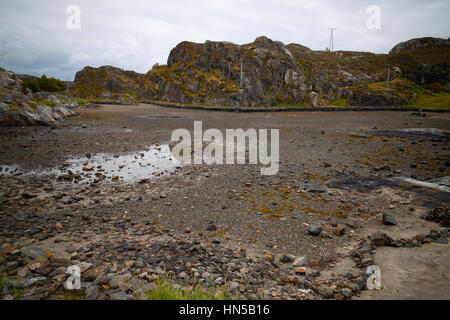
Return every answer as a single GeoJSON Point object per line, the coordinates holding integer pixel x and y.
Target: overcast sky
{"type": "Point", "coordinates": [135, 34]}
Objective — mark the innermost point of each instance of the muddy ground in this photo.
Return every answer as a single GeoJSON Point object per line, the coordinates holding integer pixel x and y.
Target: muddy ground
{"type": "Point", "coordinates": [234, 207]}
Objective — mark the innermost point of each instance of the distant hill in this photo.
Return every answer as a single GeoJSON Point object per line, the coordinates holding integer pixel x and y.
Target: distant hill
{"type": "Point", "coordinates": [106, 83]}
{"type": "Point", "coordinates": [277, 74]}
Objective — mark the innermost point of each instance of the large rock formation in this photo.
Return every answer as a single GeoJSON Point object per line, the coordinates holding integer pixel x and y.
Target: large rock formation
{"type": "Point", "coordinates": [210, 73]}
{"type": "Point", "coordinates": [19, 106]}
{"type": "Point", "coordinates": [268, 73]}
{"type": "Point", "coordinates": [274, 73]}
{"type": "Point", "coordinates": [107, 83]}
{"type": "Point", "coordinates": [424, 61]}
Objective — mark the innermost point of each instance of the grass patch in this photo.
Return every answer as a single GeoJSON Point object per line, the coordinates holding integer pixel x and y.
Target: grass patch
{"type": "Point", "coordinates": [165, 289]}
{"type": "Point", "coordinates": [49, 103]}
{"type": "Point", "coordinates": [2, 281]}
{"type": "Point", "coordinates": [81, 101]}
{"type": "Point", "coordinates": [340, 103]}
{"type": "Point", "coordinates": [432, 100]}
{"type": "Point", "coordinates": [302, 105]}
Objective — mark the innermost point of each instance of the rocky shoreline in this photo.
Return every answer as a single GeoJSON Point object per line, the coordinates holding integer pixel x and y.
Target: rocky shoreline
{"type": "Point", "coordinates": [307, 233]}
{"type": "Point", "coordinates": [19, 106]}
{"type": "Point", "coordinates": [294, 109]}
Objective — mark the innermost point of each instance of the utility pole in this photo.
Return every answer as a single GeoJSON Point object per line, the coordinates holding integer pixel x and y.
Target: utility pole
{"type": "Point", "coordinates": [68, 89]}
{"type": "Point", "coordinates": [387, 82]}
{"type": "Point", "coordinates": [242, 75]}
{"type": "Point", "coordinates": [331, 47]}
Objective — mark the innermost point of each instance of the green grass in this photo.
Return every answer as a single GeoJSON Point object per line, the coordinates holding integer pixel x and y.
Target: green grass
{"type": "Point", "coordinates": [431, 100]}
{"type": "Point", "coordinates": [81, 101]}
{"type": "Point", "coordinates": [340, 103]}
{"type": "Point", "coordinates": [2, 280]}
{"type": "Point", "coordinates": [298, 105]}
{"type": "Point", "coordinates": [49, 103]}
{"type": "Point", "coordinates": [165, 289]}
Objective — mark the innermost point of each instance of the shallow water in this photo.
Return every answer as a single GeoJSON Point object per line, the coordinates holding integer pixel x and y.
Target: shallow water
{"type": "Point", "coordinates": [148, 164]}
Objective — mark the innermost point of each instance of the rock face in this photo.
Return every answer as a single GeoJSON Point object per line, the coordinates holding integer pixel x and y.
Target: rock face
{"type": "Point", "coordinates": [278, 74]}
{"type": "Point", "coordinates": [420, 43]}
{"type": "Point", "coordinates": [21, 107]}
{"type": "Point", "coordinates": [107, 83]}
{"type": "Point", "coordinates": [210, 73]}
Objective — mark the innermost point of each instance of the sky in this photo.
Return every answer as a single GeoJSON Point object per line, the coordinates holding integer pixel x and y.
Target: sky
{"type": "Point", "coordinates": [135, 34]}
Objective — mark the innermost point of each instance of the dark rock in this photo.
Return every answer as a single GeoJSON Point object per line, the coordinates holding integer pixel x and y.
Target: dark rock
{"type": "Point", "coordinates": [441, 240]}
{"type": "Point", "coordinates": [314, 230]}
{"type": "Point", "coordinates": [380, 239]}
{"type": "Point", "coordinates": [389, 220]}
{"type": "Point", "coordinates": [287, 258]}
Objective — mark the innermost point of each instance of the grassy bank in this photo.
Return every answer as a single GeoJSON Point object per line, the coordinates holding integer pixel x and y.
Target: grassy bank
{"type": "Point", "coordinates": [165, 289]}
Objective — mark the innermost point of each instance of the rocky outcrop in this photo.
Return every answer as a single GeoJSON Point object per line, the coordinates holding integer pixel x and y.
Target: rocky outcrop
{"type": "Point", "coordinates": [107, 83]}
{"type": "Point", "coordinates": [420, 43]}
{"type": "Point", "coordinates": [268, 73]}
{"type": "Point", "coordinates": [221, 73]}
{"type": "Point", "coordinates": [424, 61]}
{"type": "Point", "coordinates": [21, 107]}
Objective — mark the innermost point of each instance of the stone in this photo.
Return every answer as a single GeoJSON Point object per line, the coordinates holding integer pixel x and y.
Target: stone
{"type": "Point", "coordinates": [26, 283]}
{"type": "Point", "coordinates": [314, 99]}
{"type": "Point", "coordinates": [35, 252]}
{"type": "Point", "coordinates": [314, 230]}
{"type": "Point", "coordinates": [346, 293]}
{"type": "Point", "coordinates": [234, 285]}
{"type": "Point", "coordinates": [441, 240]}
{"type": "Point", "coordinates": [389, 220]}
{"type": "Point", "coordinates": [22, 272]}
{"type": "Point", "coordinates": [301, 262]}
{"type": "Point", "coordinates": [339, 231]}
{"type": "Point", "coordinates": [119, 296]}
{"type": "Point", "coordinates": [11, 265]}
{"type": "Point", "coordinates": [287, 258]}
{"type": "Point", "coordinates": [325, 292]}
{"type": "Point", "coordinates": [206, 275]}
{"type": "Point", "coordinates": [380, 239]}
{"type": "Point", "coordinates": [315, 188]}
{"type": "Point", "coordinates": [120, 281]}
{"type": "Point", "coordinates": [218, 281]}
{"type": "Point", "coordinates": [434, 234]}
{"type": "Point", "coordinates": [84, 266]}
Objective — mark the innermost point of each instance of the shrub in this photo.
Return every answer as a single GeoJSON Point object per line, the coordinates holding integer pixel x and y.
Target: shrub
{"type": "Point", "coordinates": [436, 87]}
{"type": "Point", "coordinates": [44, 84]}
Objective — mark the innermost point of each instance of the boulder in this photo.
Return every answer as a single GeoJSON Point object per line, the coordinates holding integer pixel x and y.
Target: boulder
{"type": "Point", "coordinates": [314, 99]}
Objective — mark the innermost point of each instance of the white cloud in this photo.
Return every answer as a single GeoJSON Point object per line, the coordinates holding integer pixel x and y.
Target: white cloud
{"type": "Point", "coordinates": [135, 34]}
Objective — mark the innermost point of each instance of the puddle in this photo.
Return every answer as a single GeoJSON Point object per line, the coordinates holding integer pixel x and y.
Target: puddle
{"type": "Point", "coordinates": [150, 116]}
{"type": "Point", "coordinates": [149, 164]}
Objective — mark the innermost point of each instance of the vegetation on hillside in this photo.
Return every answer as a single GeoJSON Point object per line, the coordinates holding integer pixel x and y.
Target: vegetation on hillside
{"type": "Point", "coordinates": [44, 84]}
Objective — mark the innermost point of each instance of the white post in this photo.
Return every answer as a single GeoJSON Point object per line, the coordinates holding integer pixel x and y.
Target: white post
{"type": "Point", "coordinates": [242, 76]}
{"type": "Point", "coordinates": [387, 83]}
